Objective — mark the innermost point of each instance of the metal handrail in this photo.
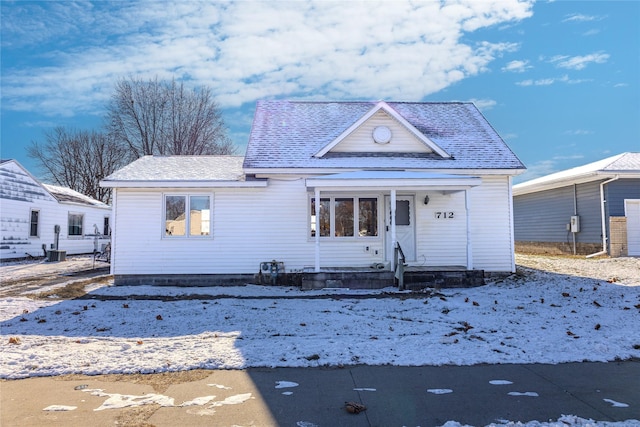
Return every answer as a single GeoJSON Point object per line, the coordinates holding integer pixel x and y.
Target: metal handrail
{"type": "Point", "coordinates": [399, 262]}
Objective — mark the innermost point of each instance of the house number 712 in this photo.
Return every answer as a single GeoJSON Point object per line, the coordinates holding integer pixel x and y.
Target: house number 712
{"type": "Point", "coordinates": [444, 215]}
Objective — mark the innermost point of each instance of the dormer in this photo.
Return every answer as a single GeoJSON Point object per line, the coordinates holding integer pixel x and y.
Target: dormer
{"type": "Point", "coordinates": [382, 130]}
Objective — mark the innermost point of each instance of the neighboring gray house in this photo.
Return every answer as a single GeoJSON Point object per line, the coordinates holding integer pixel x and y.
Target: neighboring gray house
{"type": "Point", "coordinates": [31, 210]}
{"type": "Point", "coordinates": [323, 185]}
{"type": "Point", "coordinates": [588, 210]}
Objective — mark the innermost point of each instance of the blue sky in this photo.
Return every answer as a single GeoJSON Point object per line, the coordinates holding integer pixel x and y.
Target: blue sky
{"type": "Point", "coordinates": [558, 80]}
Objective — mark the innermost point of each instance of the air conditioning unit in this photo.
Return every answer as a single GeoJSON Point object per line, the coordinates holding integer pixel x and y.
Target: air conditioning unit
{"type": "Point", "coordinates": [55, 255]}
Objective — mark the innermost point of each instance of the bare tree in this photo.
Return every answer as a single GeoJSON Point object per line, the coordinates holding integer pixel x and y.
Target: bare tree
{"type": "Point", "coordinates": [160, 117]}
{"type": "Point", "coordinates": [78, 159]}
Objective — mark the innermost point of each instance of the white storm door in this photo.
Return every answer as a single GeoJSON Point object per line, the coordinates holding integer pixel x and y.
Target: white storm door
{"type": "Point", "coordinates": [632, 212]}
{"type": "Point", "coordinates": [405, 227]}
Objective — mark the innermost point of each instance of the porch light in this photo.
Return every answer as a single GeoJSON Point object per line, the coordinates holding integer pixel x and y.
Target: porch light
{"type": "Point", "coordinates": [426, 199]}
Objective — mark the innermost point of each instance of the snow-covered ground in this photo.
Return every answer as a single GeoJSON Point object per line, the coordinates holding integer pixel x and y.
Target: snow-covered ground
{"type": "Point", "coordinates": [531, 317]}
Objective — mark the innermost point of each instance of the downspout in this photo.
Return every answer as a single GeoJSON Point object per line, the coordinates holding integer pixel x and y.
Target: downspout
{"type": "Point", "coordinates": [604, 221]}
{"type": "Point", "coordinates": [112, 258]}
{"type": "Point", "coordinates": [512, 227]}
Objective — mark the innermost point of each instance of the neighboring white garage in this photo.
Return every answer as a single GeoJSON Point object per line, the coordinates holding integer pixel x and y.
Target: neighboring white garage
{"type": "Point", "coordinates": [632, 212]}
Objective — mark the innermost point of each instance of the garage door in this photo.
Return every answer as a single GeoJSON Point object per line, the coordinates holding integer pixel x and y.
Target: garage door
{"type": "Point", "coordinates": [632, 212]}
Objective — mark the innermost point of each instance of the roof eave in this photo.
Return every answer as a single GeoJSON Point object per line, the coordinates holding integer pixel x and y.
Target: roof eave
{"type": "Point", "coordinates": [183, 184]}
{"type": "Point", "coordinates": [268, 172]}
{"type": "Point", "coordinates": [521, 189]}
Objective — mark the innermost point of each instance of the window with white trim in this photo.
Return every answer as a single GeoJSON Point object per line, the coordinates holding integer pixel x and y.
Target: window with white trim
{"type": "Point", "coordinates": [187, 215]}
{"type": "Point", "coordinates": [339, 217]}
{"type": "Point", "coordinates": [75, 224]}
{"type": "Point", "coordinates": [34, 224]}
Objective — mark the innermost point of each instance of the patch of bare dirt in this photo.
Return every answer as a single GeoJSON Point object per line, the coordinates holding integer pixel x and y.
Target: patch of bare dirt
{"type": "Point", "coordinates": [616, 270]}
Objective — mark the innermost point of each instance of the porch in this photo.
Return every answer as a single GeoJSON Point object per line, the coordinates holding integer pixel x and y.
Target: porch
{"type": "Point", "coordinates": [415, 278]}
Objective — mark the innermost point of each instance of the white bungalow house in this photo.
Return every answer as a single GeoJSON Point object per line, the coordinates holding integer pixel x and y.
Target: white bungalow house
{"type": "Point", "coordinates": [323, 186]}
{"type": "Point", "coordinates": [31, 212]}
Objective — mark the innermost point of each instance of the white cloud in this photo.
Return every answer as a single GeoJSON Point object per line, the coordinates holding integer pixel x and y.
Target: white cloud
{"type": "Point", "coordinates": [250, 50]}
{"type": "Point", "coordinates": [578, 132]}
{"type": "Point", "coordinates": [579, 62]}
{"type": "Point", "coordinates": [551, 80]}
{"type": "Point", "coordinates": [517, 66]}
{"type": "Point", "coordinates": [578, 17]}
{"type": "Point", "coordinates": [484, 104]}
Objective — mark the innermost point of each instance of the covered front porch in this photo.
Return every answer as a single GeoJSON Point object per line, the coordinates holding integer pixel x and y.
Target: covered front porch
{"type": "Point", "coordinates": [411, 234]}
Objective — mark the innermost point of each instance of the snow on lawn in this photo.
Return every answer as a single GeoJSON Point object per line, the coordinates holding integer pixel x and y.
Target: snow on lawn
{"type": "Point", "coordinates": [536, 318]}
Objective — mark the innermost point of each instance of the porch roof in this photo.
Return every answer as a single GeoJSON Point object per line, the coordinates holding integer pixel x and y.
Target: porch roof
{"type": "Point", "coordinates": [393, 179]}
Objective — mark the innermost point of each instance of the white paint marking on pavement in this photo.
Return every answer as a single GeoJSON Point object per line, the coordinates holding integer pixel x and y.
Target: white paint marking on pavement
{"type": "Point", "coordinates": [286, 384]}
{"type": "Point", "coordinates": [616, 404]}
{"type": "Point", "coordinates": [439, 390]}
{"type": "Point", "coordinates": [500, 382]}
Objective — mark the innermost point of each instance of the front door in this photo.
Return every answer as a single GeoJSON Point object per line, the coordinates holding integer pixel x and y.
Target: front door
{"type": "Point", "coordinates": [405, 227]}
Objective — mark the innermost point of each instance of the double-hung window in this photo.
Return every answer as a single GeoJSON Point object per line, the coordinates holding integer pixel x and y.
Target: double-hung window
{"type": "Point", "coordinates": [75, 224]}
{"type": "Point", "coordinates": [187, 215]}
{"type": "Point", "coordinates": [34, 223]}
{"type": "Point", "coordinates": [106, 228]}
{"type": "Point", "coordinates": [345, 217]}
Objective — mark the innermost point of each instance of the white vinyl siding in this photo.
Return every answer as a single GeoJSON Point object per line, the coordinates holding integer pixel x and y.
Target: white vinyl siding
{"type": "Point", "coordinates": [441, 241]}
{"type": "Point", "coordinates": [632, 212]}
{"type": "Point", "coordinates": [491, 219]}
{"type": "Point", "coordinates": [249, 226]}
{"type": "Point", "coordinates": [361, 139]}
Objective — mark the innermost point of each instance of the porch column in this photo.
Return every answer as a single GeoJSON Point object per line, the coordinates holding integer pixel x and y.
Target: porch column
{"type": "Point", "coordinates": [392, 202]}
{"type": "Point", "coordinates": [317, 205]}
{"type": "Point", "coordinates": [467, 207]}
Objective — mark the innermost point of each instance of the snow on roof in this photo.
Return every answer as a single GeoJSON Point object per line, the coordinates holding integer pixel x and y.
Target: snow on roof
{"type": "Point", "coordinates": [64, 194]}
{"type": "Point", "coordinates": [180, 168]}
{"type": "Point", "coordinates": [16, 183]}
{"type": "Point", "coordinates": [287, 134]}
{"type": "Point", "coordinates": [621, 164]}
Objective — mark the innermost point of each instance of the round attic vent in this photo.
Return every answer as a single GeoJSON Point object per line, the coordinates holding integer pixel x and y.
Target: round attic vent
{"type": "Point", "coordinates": [382, 135]}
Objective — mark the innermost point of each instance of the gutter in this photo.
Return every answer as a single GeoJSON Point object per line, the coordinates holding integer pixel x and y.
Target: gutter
{"type": "Point", "coordinates": [604, 221]}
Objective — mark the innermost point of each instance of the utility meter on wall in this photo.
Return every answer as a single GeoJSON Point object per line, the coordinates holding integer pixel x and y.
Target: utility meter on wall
{"type": "Point", "coordinates": [574, 224]}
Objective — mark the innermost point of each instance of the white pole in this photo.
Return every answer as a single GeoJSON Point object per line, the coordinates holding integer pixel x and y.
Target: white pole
{"type": "Point", "coordinates": [392, 202]}
{"type": "Point", "coordinates": [467, 207]}
{"type": "Point", "coordinates": [317, 205]}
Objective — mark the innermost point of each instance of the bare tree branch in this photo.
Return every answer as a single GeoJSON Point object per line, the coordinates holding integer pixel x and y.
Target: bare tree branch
{"type": "Point", "coordinates": [165, 118]}
{"type": "Point", "coordinates": [78, 160]}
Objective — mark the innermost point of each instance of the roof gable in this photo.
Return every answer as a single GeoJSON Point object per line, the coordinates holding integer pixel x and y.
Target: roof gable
{"type": "Point", "coordinates": [382, 130]}
{"type": "Point", "coordinates": [307, 136]}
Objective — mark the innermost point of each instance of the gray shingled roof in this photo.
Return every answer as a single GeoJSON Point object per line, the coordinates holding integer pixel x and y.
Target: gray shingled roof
{"type": "Point", "coordinates": [287, 134]}
{"type": "Point", "coordinates": [181, 168]}
{"type": "Point", "coordinates": [628, 162]}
